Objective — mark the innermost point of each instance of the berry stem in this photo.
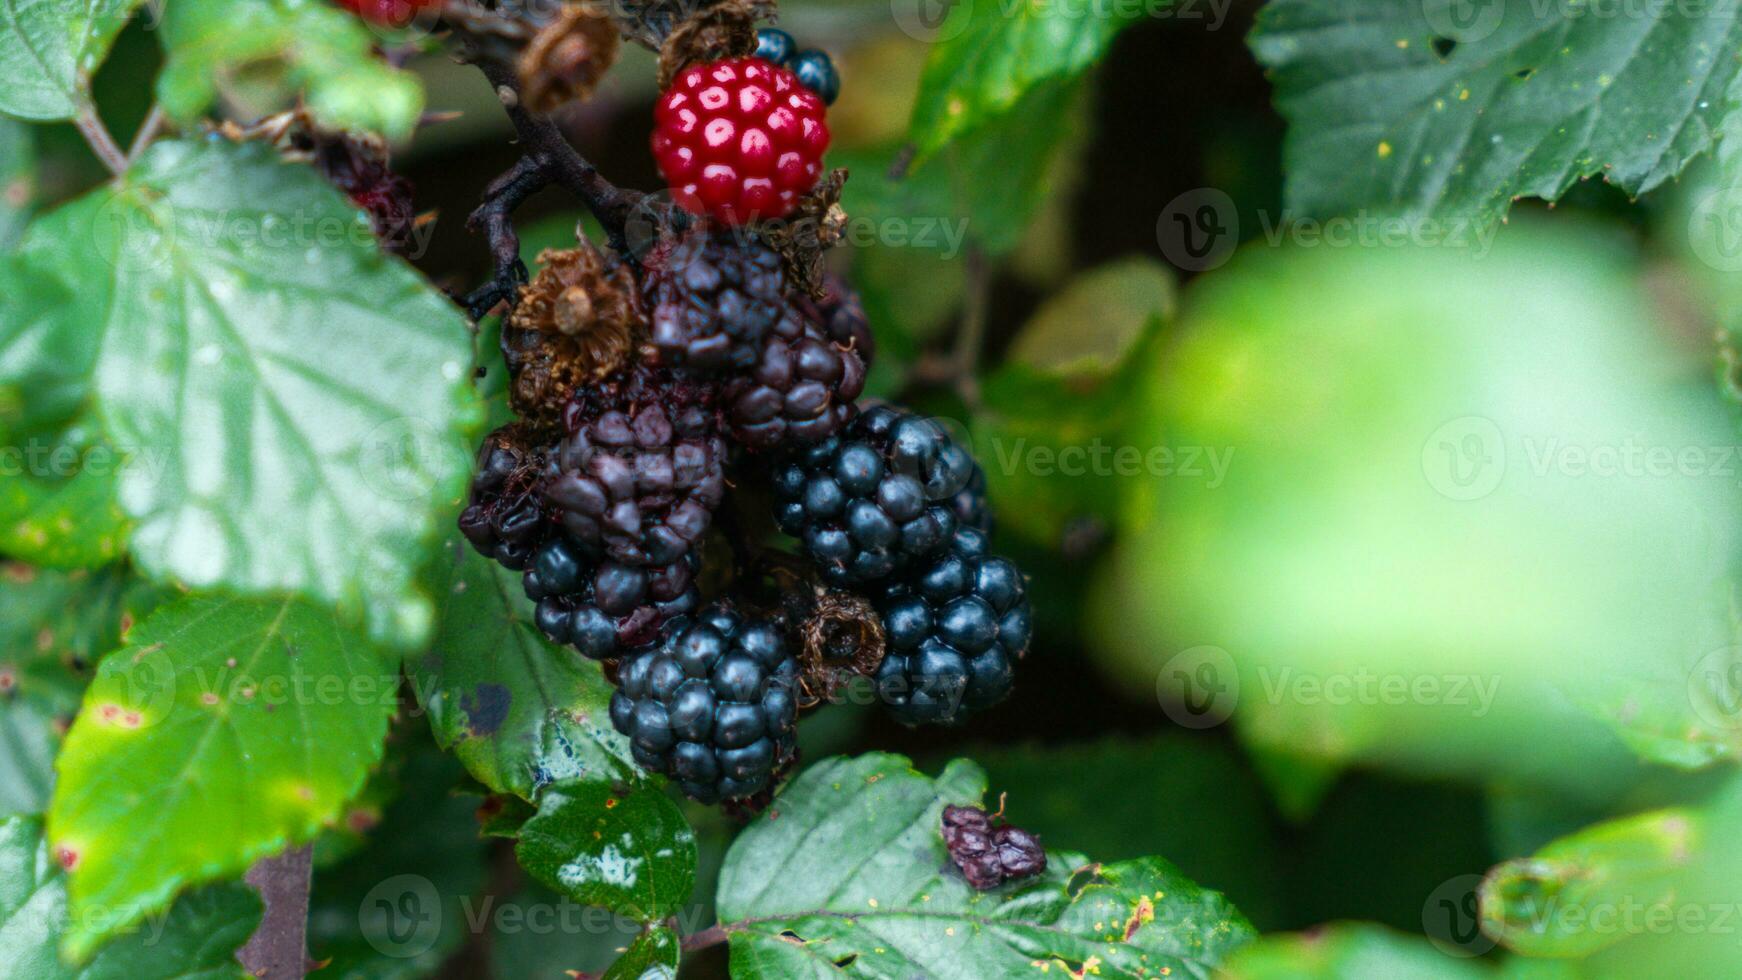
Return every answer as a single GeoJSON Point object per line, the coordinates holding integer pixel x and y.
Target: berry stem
{"type": "Point", "coordinates": [148, 131]}
{"type": "Point", "coordinates": [102, 143]}
{"type": "Point", "coordinates": [971, 340]}
{"type": "Point", "coordinates": [496, 218]}
{"type": "Point", "coordinates": [609, 203]}
{"type": "Point", "coordinates": [711, 936]}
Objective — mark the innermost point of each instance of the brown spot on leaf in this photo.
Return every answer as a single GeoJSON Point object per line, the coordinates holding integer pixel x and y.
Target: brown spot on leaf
{"type": "Point", "coordinates": [1142, 915]}
{"type": "Point", "coordinates": [68, 858]}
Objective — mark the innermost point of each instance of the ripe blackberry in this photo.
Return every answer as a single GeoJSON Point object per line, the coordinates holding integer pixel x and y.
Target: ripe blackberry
{"type": "Point", "coordinates": [802, 389]}
{"type": "Point", "coordinates": [955, 630]}
{"type": "Point", "coordinates": [504, 518]}
{"type": "Point", "coordinates": [842, 316]}
{"type": "Point", "coordinates": [602, 607]}
{"type": "Point", "coordinates": [987, 854]}
{"type": "Point", "coordinates": [875, 499]}
{"type": "Point", "coordinates": [971, 506]}
{"type": "Point", "coordinates": [714, 298]}
{"type": "Point", "coordinates": [711, 704]}
{"type": "Point", "coordinates": [641, 468]}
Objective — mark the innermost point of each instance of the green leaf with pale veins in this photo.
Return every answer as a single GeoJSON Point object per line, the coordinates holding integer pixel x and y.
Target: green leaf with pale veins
{"type": "Point", "coordinates": [847, 875]}
{"type": "Point", "coordinates": [628, 851]}
{"type": "Point", "coordinates": [325, 53]}
{"type": "Point", "coordinates": [518, 710]}
{"type": "Point", "coordinates": [50, 48]}
{"type": "Point", "coordinates": [301, 396]}
{"type": "Point", "coordinates": [222, 732]}
{"type": "Point", "coordinates": [990, 54]}
{"type": "Point", "coordinates": [197, 939]}
{"type": "Point", "coordinates": [1451, 111]}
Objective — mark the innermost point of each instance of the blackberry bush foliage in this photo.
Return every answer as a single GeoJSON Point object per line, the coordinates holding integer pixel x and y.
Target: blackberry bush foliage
{"type": "Point", "coordinates": [342, 560]}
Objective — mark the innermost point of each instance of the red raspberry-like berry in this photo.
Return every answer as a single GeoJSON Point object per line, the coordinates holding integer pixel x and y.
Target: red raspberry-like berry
{"type": "Point", "coordinates": [395, 13]}
{"type": "Point", "coordinates": [739, 139]}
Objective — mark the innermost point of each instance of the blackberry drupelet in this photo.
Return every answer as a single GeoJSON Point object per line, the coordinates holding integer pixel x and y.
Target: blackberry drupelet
{"type": "Point", "coordinates": [711, 704]}
{"type": "Point", "coordinates": [802, 389]}
{"type": "Point", "coordinates": [601, 607]}
{"type": "Point", "coordinates": [955, 630]}
{"type": "Point", "coordinates": [504, 518]}
{"type": "Point", "coordinates": [816, 71]}
{"type": "Point", "coordinates": [641, 468]}
{"type": "Point", "coordinates": [775, 46]}
{"type": "Point", "coordinates": [714, 298]}
{"type": "Point", "coordinates": [875, 499]}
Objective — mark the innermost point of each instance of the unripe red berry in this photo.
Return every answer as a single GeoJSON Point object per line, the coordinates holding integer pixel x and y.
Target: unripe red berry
{"type": "Point", "coordinates": [394, 13]}
{"type": "Point", "coordinates": [739, 139]}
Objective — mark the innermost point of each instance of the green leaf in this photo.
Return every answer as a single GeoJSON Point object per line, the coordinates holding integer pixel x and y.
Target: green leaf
{"type": "Point", "coordinates": [46, 354]}
{"type": "Point", "coordinates": [653, 956]}
{"type": "Point", "coordinates": [55, 510]}
{"type": "Point", "coordinates": [999, 171]}
{"type": "Point", "coordinates": [56, 625]}
{"type": "Point", "coordinates": [1054, 446]}
{"type": "Point", "coordinates": [1093, 326]}
{"type": "Point", "coordinates": [49, 49]}
{"type": "Point", "coordinates": [58, 503]}
{"type": "Point", "coordinates": [1167, 783]}
{"type": "Point", "coordinates": [1449, 111]}
{"type": "Point", "coordinates": [1401, 477]}
{"type": "Point", "coordinates": [322, 51]}
{"type": "Point", "coordinates": [1348, 950]}
{"type": "Point", "coordinates": [1634, 896]}
{"type": "Point", "coordinates": [627, 851]}
{"type": "Point", "coordinates": [224, 731]}
{"type": "Point", "coordinates": [195, 940]}
{"type": "Point", "coordinates": [991, 54]}
{"type": "Point", "coordinates": [17, 178]}
{"type": "Point", "coordinates": [305, 394]}
{"type": "Point", "coordinates": [849, 868]}
{"type": "Point", "coordinates": [519, 711]}
{"type": "Point", "coordinates": [398, 907]}
{"type": "Point", "coordinates": [1635, 861]}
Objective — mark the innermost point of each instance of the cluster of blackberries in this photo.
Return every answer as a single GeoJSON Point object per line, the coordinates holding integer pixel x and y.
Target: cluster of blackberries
{"type": "Point", "coordinates": [990, 854]}
{"type": "Point", "coordinates": [719, 374]}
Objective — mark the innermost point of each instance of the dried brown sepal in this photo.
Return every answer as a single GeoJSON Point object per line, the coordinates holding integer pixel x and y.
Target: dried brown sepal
{"type": "Point", "coordinates": [722, 30]}
{"type": "Point", "coordinates": [802, 237]}
{"type": "Point", "coordinates": [578, 321]}
{"type": "Point", "coordinates": [842, 637]}
{"type": "Point", "coordinates": [569, 56]}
